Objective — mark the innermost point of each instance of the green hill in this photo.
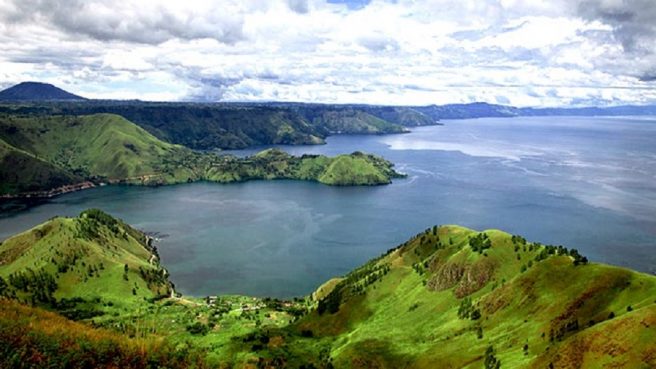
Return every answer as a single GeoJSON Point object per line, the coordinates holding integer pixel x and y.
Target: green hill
{"type": "Point", "coordinates": [445, 297]}
{"type": "Point", "coordinates": [41, 153]}
{"type": "Point", "coordinates": [237, 125]}
{"type": "Point", "coordinates": [449, 297]}
{"type": "Point", "coordinates": [85, 266]}
{"type": "Point", "coordinates": [21, 172]}
{"type": "Point", "coordinates": [351, 121]}
{"type": "Point", "coordinates": [356, 169]}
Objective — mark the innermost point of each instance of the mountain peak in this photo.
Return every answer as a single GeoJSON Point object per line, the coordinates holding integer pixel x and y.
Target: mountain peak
{"type": "Point", "coordinates": [36, 91]}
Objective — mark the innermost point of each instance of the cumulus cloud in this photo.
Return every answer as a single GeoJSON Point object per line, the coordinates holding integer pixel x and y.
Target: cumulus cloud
{"type": "Point", "coordinates": [518, 52]}
{"type": "Point", "coordinates": [148, 22]}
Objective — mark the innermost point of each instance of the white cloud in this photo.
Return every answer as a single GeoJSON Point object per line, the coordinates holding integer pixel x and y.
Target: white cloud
{"type": "Point", "coordinates": [521, 52]}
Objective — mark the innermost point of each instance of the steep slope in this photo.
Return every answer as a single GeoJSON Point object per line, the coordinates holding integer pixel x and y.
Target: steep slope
{"type": "Point", "coordinates": [36, 91]}
{"type": "Point", "coordinates": [450, 297]}
{"type": "Point", "coordinates": [239, 125]}
{"type": "Point", "coordinates": [446, 297]}
{"type": "Point", "coordinates": [33, 338]}
{"type": "Point", "coordinates": [96, 269]}
{"type": "Point", "coordinates": [347, 120]}
{"type": "Point", "coordinates": [86, 266]}
{"type": "Point", "coordinates": [21, 172]}
{"type": "Point", "coordinates": [102, 145]}
{"type": "Point", "coordinates": [44, 152]}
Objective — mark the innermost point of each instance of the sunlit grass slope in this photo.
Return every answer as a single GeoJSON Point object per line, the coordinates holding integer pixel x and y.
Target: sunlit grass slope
{"type": "Point", "coordinates": [101, 145]}
{"type": "Point", "coordinates": [91, 265]}
{"type": "Point", "coordinates": [342, 170]}
{"type": "Point", "coordinates": [447, 295]}
{"type": "Point", "coordinates": [22, 172]}
{"type": "Point", "coordinates": [33, 338]}
{"type": "Point", "coordinates": [45, 152]}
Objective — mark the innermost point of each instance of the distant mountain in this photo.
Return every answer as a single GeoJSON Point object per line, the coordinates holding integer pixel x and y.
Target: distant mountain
{"type": "Point", "coordinates": [485, 110]}
{"type": "Point", "coordinates": [37, 91]}
{"type": "Point", "coordinates": [239, 125]}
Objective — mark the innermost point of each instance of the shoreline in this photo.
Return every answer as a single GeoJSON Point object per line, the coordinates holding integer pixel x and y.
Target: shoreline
{"type": "Point", "coordinates": [46, 194]}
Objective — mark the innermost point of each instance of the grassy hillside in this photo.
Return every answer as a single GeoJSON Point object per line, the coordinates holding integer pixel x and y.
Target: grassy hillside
{"type": "Point", "coordinates": [350, 121]}
{"type": "Point", "coordinates": [103, 145]}
{"type": "Point", "coordinates": [450, 294]}
{"type": "Point", "coordinates": [42, 153]}
{"type": "Point", "coordinates": [449, 297]}
{"type": "Point", "coordinates": [96, 269]}
{"type": "Point", "coordinates": [21, 172]}
{"type": "Point", "coordinates": [86, 266]}
{"type": "Point", "coordinates": [238, 125]}
{"type": "Point", "coordinates": [355, 169]}
{"type": "Point", "coordinates": [34, 338]}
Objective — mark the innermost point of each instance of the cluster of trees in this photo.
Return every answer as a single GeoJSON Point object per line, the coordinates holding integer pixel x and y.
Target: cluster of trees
{"type": "Point", "coordinates": [355, 283]}
{"type": "Point", "coordinates": [4, 288]}
{"type": "Point", "coordinates": [547, 250]}
{"type": "Point", "coordinates": [467, 310]}
{"type": "Point", "coordinates": [198, 328]}
{"type": "Point", "coordinates": [91, 220]}
{"type": "Point", "coordinates": [480, 242]}
{"type": "Point", "coordinates": [295, 308]}
{"type": "Point", "coordinates": [41, 285]}
{"type": "Point", "coordinates": [331, 302]}
{"type": "Point", "coordinates": [77, 308]}
{"type": "Point", "coordinates": [153, 277]}
{"type": "Point", "coordinates": [420, 268]}
{"type": "Point", "coordinates": [94, 270]}
{"type": "Point", "coordinates": [491, 361]}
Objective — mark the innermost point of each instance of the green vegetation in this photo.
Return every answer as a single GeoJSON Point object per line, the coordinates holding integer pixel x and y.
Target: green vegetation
{"type": "Point", "coordinates": [21, 172]}
{"type": "Point", "coordinates": [34, 338]}
{"type": "Point", "coordinates": [45, 153]}
{"type": "Point", "coordinates": [449, 297]}
{"type": "Point", "coordinates": [69, 264]}
{"type": "Point", "coordinates": [237, 125]}
{"type": "Point", "coordinates": [348, 120]}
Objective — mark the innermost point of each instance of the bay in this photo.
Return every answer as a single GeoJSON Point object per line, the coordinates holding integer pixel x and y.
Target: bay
{"type": "Point", "coordinates": [583, 182]}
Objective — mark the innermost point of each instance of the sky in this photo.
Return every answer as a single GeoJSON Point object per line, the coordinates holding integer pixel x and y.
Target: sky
{"type": "Point", "coordinates": [394, 52]}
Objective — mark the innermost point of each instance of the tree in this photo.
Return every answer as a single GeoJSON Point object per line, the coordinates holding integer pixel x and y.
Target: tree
{"type": "Point", "coordinates": [3, 287]}
{"type": "Point", "coordinates": [491, 362]}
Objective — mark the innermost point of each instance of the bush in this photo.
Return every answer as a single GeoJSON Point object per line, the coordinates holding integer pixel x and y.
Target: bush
{"type": "Point", "coordinates": [198, 328]}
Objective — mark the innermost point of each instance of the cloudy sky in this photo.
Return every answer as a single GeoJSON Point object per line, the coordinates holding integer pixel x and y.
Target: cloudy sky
{"type": "Point", "coordinates": [519, 52]}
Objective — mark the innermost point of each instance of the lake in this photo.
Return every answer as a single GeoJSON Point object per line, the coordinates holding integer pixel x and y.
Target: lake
{"type": "Point", "coordinates": [586, 182]}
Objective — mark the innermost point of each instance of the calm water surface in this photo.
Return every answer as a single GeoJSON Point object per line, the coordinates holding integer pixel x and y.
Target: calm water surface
{"type": "Point", "coordinates": [588, 183]}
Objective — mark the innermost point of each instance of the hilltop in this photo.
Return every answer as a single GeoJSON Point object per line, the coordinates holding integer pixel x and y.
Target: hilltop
{"type": "Point", "coordinates": [37, 91]}
{"type": "Point", "coordinates": [450, 297]}
{"type": "Point", "coordinates": [84, 266]}
{"type": "Point", "coordinates": [46, 155]}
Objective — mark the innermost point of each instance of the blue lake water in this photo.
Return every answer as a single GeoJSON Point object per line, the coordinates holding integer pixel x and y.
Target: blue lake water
{"type": "Point", "coordinates": [587, 183]}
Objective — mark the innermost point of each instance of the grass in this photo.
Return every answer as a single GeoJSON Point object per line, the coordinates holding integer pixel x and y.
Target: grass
{"type": "Point", "coordinates": [439, 300]}
{"type": "Point", "coordinates": [41, 153]}
{"type": "Point", "coordinates": [420, 327]}
{"type": "Point", "coordinates": [88, 259]}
